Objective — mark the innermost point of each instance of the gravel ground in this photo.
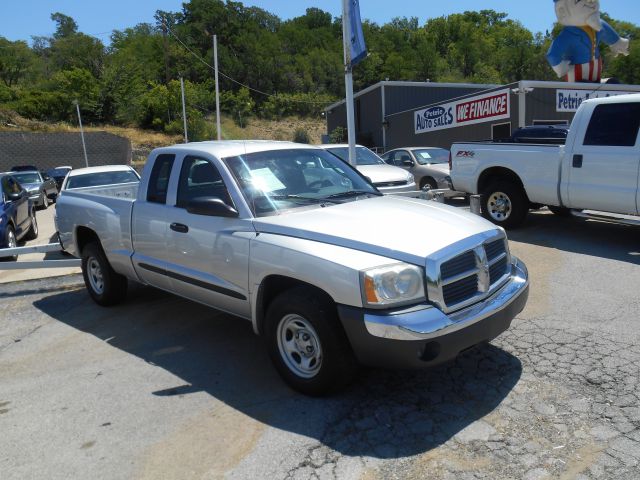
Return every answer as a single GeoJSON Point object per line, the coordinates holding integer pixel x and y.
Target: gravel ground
{"type": "Point", "coordinates": [163, 388]}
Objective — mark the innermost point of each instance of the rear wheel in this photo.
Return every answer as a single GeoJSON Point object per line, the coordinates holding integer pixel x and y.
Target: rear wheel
{"type": "Point", "coordinates": [307, 344]}
{"type": "Point", "coordinates": [11, 242]}
{"type": "Point", "coordinates": [105, 286]}
{"type": "Point", "coordinates": [32, 234]}
{"type": "Point", "coordinates": [44, 201]}
{"type": "Point", "coordinates": [504, 204]}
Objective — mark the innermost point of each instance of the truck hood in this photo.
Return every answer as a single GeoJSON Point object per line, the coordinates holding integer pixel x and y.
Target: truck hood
{"type": "Point", "coordinates": [404, 229]}
{"type": "Point", "coordinates": [383, 173]}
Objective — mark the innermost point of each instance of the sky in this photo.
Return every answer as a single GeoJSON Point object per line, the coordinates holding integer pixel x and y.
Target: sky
{"type": "Point", "coordinates": [26, 18]}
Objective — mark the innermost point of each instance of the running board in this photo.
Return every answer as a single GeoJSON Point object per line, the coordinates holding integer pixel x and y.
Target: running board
{"type": "Point", "coordinates": [633, 220]}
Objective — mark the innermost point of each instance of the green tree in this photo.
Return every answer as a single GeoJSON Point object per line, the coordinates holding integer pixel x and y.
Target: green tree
{"type": "Point", "coordinates": [16, 58]}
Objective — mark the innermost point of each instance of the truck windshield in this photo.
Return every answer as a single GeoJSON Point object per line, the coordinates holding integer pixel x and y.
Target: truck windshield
{"type": "Point", "coordinates": [364, 156]}
{"type": "Point", "coordinates": [279, 180]}
{"type": "Point", "coordinates": [432, 155]}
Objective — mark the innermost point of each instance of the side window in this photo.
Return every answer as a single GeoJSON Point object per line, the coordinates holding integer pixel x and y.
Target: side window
{"type": "Point", "coordinates": [614, 124]}
{"type": "Point", "coordinates": [401, 156]}
{"type": "Point", "coordinates": [11, 185]}
{"type": "Point", "coordinates": [159, 179]}
{"type": "Point", "coordinates": [199, 178]}
{"type": "Point", "coordinates": [391, 158]}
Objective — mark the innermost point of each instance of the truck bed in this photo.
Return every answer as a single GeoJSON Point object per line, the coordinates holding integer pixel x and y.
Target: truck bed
{"type": "Point", "coordinates": [107, 210]}
{"type": "Point", "coordinates": [538, 165]}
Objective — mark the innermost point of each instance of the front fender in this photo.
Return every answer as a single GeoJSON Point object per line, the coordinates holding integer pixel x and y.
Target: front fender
{"type": "Point", "coordinates": [331, 268]}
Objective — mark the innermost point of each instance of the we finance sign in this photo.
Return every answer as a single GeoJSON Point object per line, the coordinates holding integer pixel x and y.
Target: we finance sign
{"type": "Point", "coordinates": [479, 109]}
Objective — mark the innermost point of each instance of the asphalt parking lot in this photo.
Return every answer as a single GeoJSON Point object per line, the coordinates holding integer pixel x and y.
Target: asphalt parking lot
{"type": "Point", "coordinates": [162, 388]}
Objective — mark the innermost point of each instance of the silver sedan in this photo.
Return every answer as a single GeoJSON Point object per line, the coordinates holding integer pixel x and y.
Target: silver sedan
{"type": "Point", "coordinates": [429, 165]}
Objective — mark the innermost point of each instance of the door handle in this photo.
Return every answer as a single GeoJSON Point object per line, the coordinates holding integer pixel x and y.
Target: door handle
{"type": "Point", "coordinates": [577, 161]}
{"type": "Point", "coordinates": [179, 227]}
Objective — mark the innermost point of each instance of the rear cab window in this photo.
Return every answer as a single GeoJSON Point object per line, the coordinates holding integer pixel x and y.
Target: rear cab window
{"type": "Point", "coordinates": [159, 178]}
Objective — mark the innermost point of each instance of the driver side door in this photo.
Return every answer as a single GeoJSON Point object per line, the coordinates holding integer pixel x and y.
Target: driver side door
{"type": "Point", "coordinates": [208, 256]}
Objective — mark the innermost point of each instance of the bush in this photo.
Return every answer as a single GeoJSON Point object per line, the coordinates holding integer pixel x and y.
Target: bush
{"type": "Point", "coordinates": [338, 135]}
{"type": "Point", "coordinates": [301, 136]}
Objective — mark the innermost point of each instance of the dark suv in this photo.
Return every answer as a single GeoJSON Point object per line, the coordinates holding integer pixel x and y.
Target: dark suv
{"type": "Point", "coordinates": [17, 215]}
{"type": "Point", "coordinates": [541, 134]}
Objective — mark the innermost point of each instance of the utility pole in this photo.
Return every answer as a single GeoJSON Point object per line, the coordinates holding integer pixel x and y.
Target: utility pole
{"type": "Point", "coordinates": [84, 147]}
{"type": "Point", "coordinates": [215, 65]}
{"type": "Point", "coordinates": [184, 111]}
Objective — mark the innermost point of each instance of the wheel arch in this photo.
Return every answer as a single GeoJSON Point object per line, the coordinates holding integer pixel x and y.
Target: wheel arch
{"type": "Point", "coordinates": [499, 173]}
{"type": "Point", "coordinates": [84, 236]}
{"type": "Point", "coordinates": [270, 287]}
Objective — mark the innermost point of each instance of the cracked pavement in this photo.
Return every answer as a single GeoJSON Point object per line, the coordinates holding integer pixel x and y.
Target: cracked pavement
{"type": "Point", "coordinates": [160, 387]}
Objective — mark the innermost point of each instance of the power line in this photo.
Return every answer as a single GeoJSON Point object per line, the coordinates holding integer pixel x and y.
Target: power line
{"type": "Point", "coordinates": [203, 61]}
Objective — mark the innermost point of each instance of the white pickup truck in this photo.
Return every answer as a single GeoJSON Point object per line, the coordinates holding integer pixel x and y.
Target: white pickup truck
{"type": "Point", "coordinates": [331, 272]}
{"type": "Point", "coordinates": [597, 170]}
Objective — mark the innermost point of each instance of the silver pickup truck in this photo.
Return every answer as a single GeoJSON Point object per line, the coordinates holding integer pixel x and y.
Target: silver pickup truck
{"type": "Point", "coordinates": [330, 272]}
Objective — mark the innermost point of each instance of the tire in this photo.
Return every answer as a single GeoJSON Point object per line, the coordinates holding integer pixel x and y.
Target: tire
{"type": "Point", "coordinates": [428, 181]}
{"type": "Point", "coordinates": [44, 204]}
{"type": "Point", "coordinates": [105, 286]}
{"type": "Point", "coordinates": [560, 211]}
{"type": "Point", "coordinates": [11, 242]}
{"type": "Point", "coordinates": [32, 234]}
{"type": "Point", "coordinates": [321, 360]}
{"type": "Point", "coordinates": [504, 204]}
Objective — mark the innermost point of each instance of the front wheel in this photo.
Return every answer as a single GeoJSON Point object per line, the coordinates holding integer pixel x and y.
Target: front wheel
{"type": "Point", "coordinates": [105, 286]}
{"type": "Point", "coordinates": [11, 242]}
{"type": "Point", "coordinates": [504, 204]}
{"type": "Point", "coordinates": [307, 344]}
{"type": "Point", "coordinates": [430, 182]}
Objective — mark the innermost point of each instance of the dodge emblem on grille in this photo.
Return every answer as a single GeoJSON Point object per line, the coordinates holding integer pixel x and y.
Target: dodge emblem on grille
{"type": "Point", "coordinates": [484, 279]}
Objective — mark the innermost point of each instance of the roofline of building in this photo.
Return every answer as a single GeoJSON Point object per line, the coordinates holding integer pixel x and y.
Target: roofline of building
{"type": "Point", "coordinates": [391, 83]}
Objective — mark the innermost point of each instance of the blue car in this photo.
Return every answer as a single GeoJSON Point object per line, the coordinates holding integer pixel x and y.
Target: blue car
{"type": "Point", "coordinates": [17, 215]}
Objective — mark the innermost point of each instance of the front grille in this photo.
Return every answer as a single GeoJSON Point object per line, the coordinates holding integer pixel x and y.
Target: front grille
{"type": "Point", "coordinates": [497, 270]}
{"type": "Point", "coordinates": [458, 265]}
{"type": "Point", "coordinates": [391, 184]}
{"type": "Point", "coordinates": [461, 290]}
{"type": "Point", "coordinates": [473, 274]}
{"type": "Point", "coordinates": [494, 249]}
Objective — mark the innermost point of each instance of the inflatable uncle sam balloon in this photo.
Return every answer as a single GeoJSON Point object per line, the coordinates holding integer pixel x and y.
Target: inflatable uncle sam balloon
{"type": "Point", "coordinates": [575, 53]}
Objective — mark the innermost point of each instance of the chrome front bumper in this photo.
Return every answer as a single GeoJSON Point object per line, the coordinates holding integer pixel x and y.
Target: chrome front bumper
{"type": "Point", "coordinates": [430, 323]}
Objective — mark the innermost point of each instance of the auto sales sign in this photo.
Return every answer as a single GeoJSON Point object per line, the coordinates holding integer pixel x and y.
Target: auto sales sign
{"type": "Point", "coordinates": [479, 109]}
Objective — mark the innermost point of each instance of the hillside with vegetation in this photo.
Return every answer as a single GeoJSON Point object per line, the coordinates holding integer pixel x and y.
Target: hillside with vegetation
{"type": "Point", "coordinates": [271, 69]}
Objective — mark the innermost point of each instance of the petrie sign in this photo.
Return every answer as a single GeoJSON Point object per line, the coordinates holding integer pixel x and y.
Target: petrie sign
{"type": "Point", "coordinates": [479, 109]}
{"type": "Point", "coordinates": [570, 100]}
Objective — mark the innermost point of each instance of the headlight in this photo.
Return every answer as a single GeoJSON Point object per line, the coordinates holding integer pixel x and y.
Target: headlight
{"type": "Point", "coordinates": [394, 284]}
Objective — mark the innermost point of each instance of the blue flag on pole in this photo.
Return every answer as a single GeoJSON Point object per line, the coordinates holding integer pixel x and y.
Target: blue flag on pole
{"type": "Point", "coordinates": [358, 49]}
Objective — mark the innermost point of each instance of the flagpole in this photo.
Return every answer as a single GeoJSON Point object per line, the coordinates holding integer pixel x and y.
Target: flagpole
{"type": "Point", "coordinates": [348, 80]}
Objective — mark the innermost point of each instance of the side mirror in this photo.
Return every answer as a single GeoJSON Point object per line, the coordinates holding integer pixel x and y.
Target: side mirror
{"type": "Point", "coordinates": [212, 207]}
{"type": "Point", "coordinates": [15, 196]}
{"type": "Point", "coordinates": [408, 162]}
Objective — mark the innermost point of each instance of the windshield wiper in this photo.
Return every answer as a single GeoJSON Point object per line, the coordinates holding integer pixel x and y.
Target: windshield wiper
{"type": "Point", "coordinates": [352, 193]}
{"type": "Point", "coordinates": [298, 197]}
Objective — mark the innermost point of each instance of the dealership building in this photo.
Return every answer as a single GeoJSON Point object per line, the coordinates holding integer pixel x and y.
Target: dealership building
{"type": "Point", "coordinates": [420, 114]}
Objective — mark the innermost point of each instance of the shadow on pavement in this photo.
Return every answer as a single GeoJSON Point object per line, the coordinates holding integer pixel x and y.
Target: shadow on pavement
{"type": "Point", "coordinates": [386, 414]}
{"type": "Point", "coordinates": [578, 235]}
